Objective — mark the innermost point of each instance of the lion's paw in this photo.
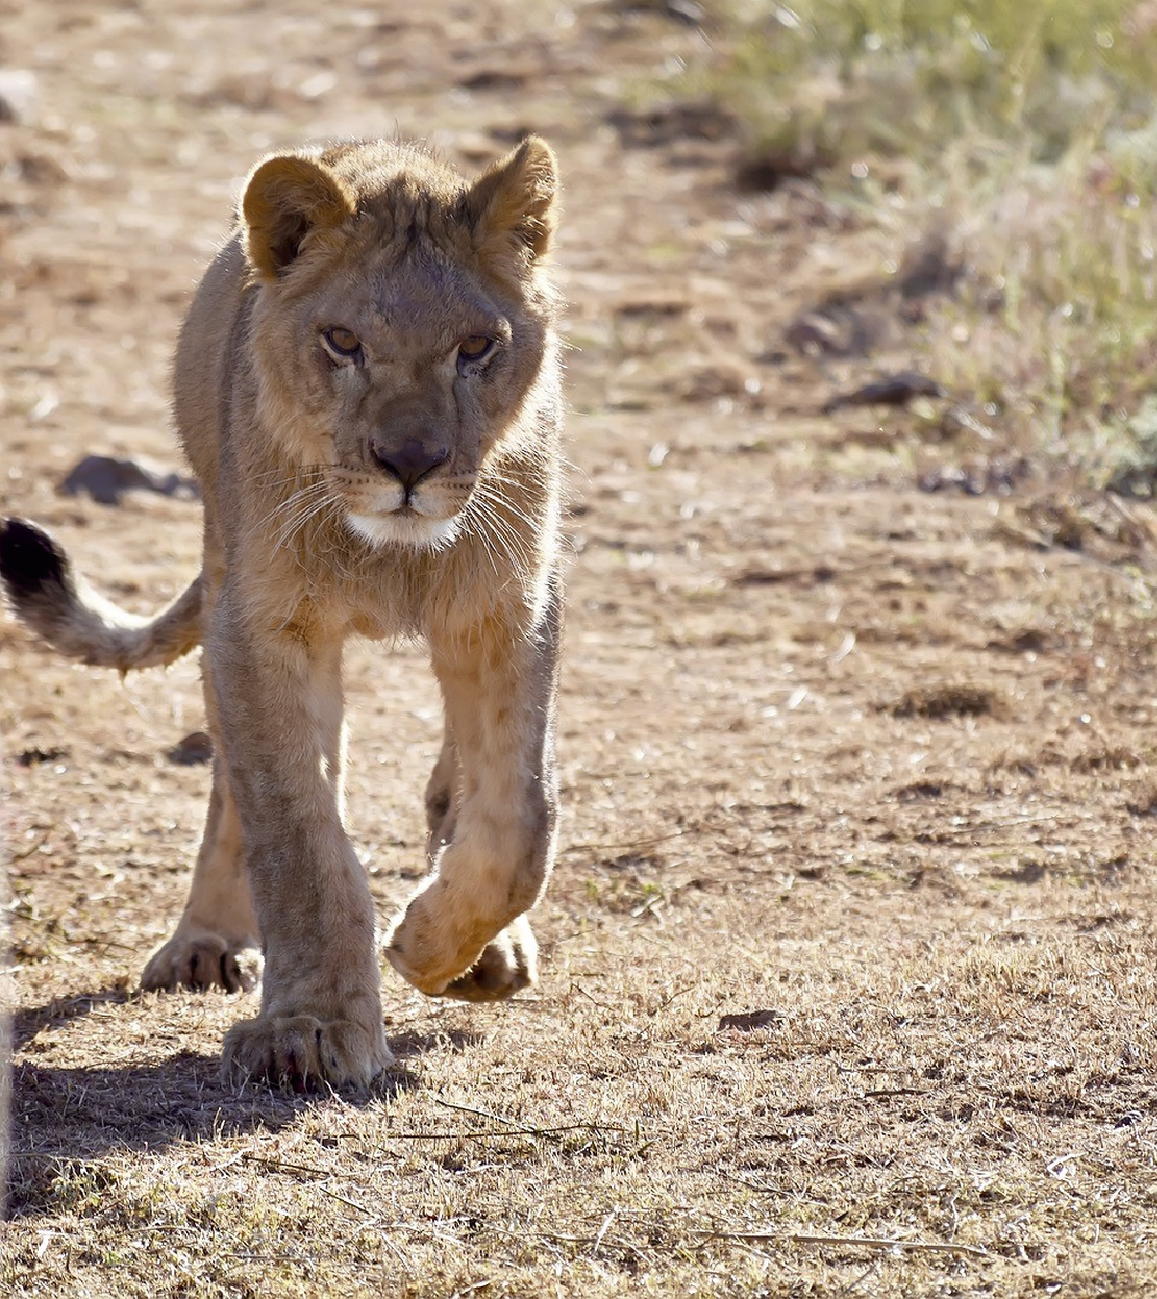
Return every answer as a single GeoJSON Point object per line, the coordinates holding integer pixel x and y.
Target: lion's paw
{"type": "Point", "coordinates": [427, 946]}
{"type": "Point", "coordinates": [506, 966]}
{"type": "Point", "coordinates": [199, 962]}
{"type": "Point", "coordinates": [302, 1052]}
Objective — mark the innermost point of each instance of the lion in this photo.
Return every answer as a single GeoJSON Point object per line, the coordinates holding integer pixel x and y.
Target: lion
{"type": "Point", "coordinates": [367, 386]}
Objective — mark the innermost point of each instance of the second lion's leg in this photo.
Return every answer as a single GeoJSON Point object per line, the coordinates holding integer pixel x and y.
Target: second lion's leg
{"type": "Point", "coordinates": [462, 933]}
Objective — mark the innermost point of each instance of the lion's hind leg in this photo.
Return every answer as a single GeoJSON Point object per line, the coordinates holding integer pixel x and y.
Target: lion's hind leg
{"type": "Point", "coordinates": [218, 922]}
{"type": "Point", "coordinates": [506, 966]}
{"type": "Point", "coordinates": [441, 796]}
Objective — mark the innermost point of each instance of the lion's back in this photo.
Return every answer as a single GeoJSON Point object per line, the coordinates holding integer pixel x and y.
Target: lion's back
{"type": "Point", "coordinates": [207, 349]}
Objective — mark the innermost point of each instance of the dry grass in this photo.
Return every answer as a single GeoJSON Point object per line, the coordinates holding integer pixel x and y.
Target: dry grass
{"type": "Point", "coordinates": [850, 977]}
{"type": "Point", "coordinates": [939, 1112]}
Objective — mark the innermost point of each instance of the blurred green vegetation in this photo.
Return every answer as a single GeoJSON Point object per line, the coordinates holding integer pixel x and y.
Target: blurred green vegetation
{"type": "Point", "coordinates": [1028, 133]}
{"type": "Point", "coordinates": [841, 79]}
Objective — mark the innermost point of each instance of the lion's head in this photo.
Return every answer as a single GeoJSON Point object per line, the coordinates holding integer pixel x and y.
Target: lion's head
{"type": "Point", "coordinates": [402, 315]}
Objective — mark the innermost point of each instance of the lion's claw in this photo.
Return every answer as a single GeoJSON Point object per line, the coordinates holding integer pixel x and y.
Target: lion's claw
{"type": "Point", "coordinates": [199, 963]}
{"type": "Point", "coordinates": [303, 1052]}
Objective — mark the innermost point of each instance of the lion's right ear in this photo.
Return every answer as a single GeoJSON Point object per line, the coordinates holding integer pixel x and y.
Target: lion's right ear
{"type": "Point", "coordinates": [285, 199]}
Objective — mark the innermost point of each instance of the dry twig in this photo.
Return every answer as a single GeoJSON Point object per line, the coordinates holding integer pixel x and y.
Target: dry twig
{"type": "Point", "coordinates": [867, 1242]}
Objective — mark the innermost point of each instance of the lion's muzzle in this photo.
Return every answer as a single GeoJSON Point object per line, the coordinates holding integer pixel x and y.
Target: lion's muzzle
{"type": "Point", "coordinates": [409, 462]}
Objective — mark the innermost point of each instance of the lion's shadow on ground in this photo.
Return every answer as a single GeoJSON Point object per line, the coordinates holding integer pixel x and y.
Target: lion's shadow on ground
{"type": "Point", "coordinates": [61, 1117]}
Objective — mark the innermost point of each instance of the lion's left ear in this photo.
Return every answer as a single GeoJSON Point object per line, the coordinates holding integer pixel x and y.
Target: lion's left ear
{"type": "Point", "coordinates": [286, 198]}
{"type": "Point", "coordinates": [513, 205]}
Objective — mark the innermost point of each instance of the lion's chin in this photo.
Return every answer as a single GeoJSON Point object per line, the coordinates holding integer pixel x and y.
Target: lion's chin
{"type": "Point", "coordinates": [405, 528]}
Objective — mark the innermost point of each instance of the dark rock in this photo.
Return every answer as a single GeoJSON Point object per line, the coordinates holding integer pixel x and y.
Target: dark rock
{"type": "Point", "coordinates": [194, 750]}
{"type": "Point", "coordinates": [106, 479]}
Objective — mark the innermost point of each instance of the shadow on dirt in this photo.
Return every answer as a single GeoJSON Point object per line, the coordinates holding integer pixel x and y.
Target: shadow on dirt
{"type": "Point", "coordinates": [28, 1021]}
{"type": "Point", "coordinates": [62, 1117]}
{"type": "Point", "coordinates": [410, 1043]}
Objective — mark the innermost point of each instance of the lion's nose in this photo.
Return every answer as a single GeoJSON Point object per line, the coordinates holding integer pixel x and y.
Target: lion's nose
{"type": "Point", "coordinates": [410, 462]}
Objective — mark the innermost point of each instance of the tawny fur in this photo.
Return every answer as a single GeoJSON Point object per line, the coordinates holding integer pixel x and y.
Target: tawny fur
{"type": "Point", "coordinates": [80, 623]}
{"type": "Point", "coordinates": [372, 312]}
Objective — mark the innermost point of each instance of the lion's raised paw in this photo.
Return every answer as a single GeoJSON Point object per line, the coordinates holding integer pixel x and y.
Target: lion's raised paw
{"type": "Point", "coordinates": [303, 1053]}
{"type": "Point", "coordinates": [436, 946]}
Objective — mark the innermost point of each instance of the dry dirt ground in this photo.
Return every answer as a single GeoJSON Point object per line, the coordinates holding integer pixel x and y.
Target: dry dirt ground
{"type": "Point", "coordinates": [850, 976]}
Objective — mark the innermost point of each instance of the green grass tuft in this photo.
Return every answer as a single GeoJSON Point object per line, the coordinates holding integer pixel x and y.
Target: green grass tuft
{"type": "Point", "coordinates": [884, 77]}
{"type": "Point", "coordinates": [1026, 135]}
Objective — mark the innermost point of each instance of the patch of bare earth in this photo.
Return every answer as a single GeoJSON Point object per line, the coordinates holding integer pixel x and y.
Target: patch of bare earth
{"type": "Point", "coordinates": [850, 976]}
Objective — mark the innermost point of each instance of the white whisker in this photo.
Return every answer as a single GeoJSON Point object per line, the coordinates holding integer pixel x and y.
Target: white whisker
{"type": "Point", "coordinates": [492, 517]}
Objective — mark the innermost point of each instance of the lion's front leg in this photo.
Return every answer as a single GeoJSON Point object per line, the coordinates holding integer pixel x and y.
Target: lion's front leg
{"type": "Point", "coordinates": [509, 962]}
{"type": "Point", "coordinates": [460, 935]}
{"type": "Point", "coordinates": [280, 722]}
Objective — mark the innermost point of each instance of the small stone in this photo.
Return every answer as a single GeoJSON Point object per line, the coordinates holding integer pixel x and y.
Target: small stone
{"type": "Point", "coordinates": [19, 91]}
{"type": "Point", "coordinates": [193, 751]}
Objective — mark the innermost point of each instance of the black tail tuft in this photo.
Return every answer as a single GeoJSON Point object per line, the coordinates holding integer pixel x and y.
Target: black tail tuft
{"type": "Point", "coordinates": [30, 560]}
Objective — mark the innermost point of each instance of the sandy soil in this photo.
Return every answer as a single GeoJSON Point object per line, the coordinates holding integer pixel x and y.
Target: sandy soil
{"type": "Point", "coordinates": [875, 759]}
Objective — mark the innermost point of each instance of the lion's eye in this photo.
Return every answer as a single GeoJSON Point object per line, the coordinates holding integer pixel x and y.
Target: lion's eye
{"type": "Point", "coordinates": [342, 342]}
{"type": "Point", "coordinates": [475, 347]}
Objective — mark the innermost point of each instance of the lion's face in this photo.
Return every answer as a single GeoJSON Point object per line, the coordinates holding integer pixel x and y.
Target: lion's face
{"type": "Point", "coordinates": [398, 330]}
{"type": "Point", "coordinates": [415, 370]}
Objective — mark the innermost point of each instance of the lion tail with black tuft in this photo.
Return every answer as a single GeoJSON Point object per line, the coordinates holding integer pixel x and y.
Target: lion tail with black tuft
{"type": "Point", "coordinates": [75, 620]}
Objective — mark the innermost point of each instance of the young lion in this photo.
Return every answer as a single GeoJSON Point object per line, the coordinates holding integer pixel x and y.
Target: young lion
{"type": "Point", "coordinates": [367, 386]}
